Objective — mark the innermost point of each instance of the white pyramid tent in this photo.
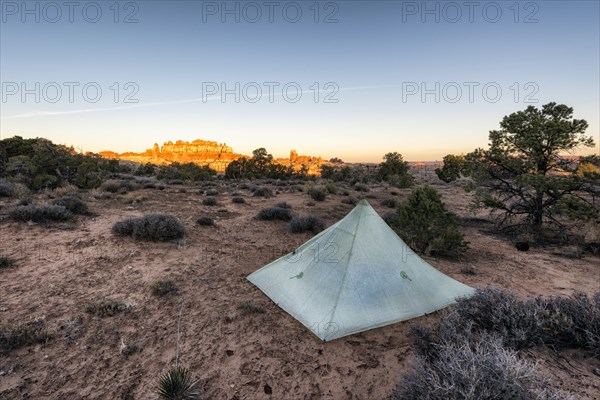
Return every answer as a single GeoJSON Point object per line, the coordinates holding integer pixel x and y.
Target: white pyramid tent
{"type": "Point", "coordinates": [354, 276]}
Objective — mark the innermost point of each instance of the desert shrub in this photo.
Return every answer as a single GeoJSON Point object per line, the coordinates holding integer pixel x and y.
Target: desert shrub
{"type": "Point", "coordinates": [15, 336]}
{"type": "Point", "coordinates": [205, 220]}
{"type": "Point", "coordinates": [158, 227]}
{"type": "Point", "coordinates": [177, 384]}
{"type": "Point", "coordinates": [350, 200]}
{"type": "Point", "coordinates": [7, 189]}
{"type": "Point", "coordinates": [263, 192]}
{"type": "Point", "coordinates": [175, 182]}
{"type": "Point", "coordinates": [164, 287]}
{"type": "Point", "coordinates": [390, 203]}
{"type": "Point", "coordinates": [72, 203]}
{"type": "Point", "coordinates": [105, 308]}
{"type": "Point", "coordinates": [559, 322]}
{"type": "Point", "coordinates": [244, 186]}
{"type": "Point", "coordinates": [275, 213]}
{"type": "Point", "coordinates": [238, 200]}
{"type": "Point", "coordinates": [212, 192]}
{"type": "Point", "coordinates": [591, 238]}
{"type": "Point", "coordinates": [6, 262]}
{"type": "Point", "coordinates": [145, 170]}
{"type": "Point", "coordinates": [153, 227]}
{"type": "Point", "coordinates": [426, 226]}
{"type": "Point", "coordinates": [361, 187]}
{"type": "Point", "coordinates": [209, 201]}
{"type": "Point", "coordinates": [249, 307]}
{"type": "Point", "coordinates": [44, 213]}
{"type": "Point", "coordinates": [331, 188]}
{"type": "Point", "coordinates": [317, 193]}
{"type": "Point", "coordinates": [67, 190]}
{"type": "Point", "coordinates": [124, 227]}
{"type": "Point", "coordinates": [479, 369]}
{"type": "Point", "coordinates": [390, 218]}
{"type": "Point", "coordinates": [305, 224]}
{"type": "Point", "coordinates": [283, 204]}
{"type": "Point", "coordinates": [117, 186]}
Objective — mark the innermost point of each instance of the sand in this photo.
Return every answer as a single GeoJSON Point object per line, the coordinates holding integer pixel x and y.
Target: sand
{"type": "Point", "coordinates": [269, 355]}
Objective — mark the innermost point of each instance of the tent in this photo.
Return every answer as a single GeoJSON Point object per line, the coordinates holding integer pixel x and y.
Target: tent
{"type": "Point", "coordinates": [354, 276]}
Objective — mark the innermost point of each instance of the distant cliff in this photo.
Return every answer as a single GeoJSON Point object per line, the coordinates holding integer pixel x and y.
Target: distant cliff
{"type": "Point", "coordinates": [215, 155]}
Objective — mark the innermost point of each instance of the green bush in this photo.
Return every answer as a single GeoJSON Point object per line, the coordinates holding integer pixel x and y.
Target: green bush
{"type": "Point", "coordinates": [427, 227]}
{"type": "Point", "coordinates": [72, 203]}
{"type": "Point", "coordinates": [305, 224]}
{"type": "Point", "coordinates": [44, 213]}
{"type": "Point", "coordinates": [153, 227]}
{"type": "Point", "coordinates": [275, 213]}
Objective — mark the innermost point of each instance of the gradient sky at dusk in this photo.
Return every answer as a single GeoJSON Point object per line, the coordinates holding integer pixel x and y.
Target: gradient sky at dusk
{"type": "Point", "coordinates": [376, 52]}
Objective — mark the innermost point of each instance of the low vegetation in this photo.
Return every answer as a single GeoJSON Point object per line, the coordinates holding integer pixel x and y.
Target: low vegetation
{"type": "Point", "coordinates": [262, 192]}
{"type": "Point", "coordinates": [472, 346]}
{"type": "Point", "coordinates": [41, 213]}
{"type": "Point", "coordinates": [427, 227]}
{"type": "Point", "coordinates": [238, 200]}
{"type": "Point", "coordinates": [106, 308]}
{"type": "Point", "coordinates": [164, 287]}
{"type": "Point", "coordinates": [307, 224]}
{"type": "Point", "coordinates": [275, 213]}
{"type": "Point", "coordinates": [6, 262]}
{"type": "Point", "coordinates": [73, 204]}
{"type": "Point", "coordinates": [177, 384]}
{"type": "Point", "coordinates": [152, 227]}
{"type": "Point", "coordinates": [15, 336]}
{"type": "Point", "coordinates": [205, 220]}
{"type": "Point", "coordinates": [209, 201]}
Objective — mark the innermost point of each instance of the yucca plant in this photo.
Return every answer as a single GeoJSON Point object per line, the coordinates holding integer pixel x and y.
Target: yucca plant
{"type": "Point", "coordinates": [177, 384]}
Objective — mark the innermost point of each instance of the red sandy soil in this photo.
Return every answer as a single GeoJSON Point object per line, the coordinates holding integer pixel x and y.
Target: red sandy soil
{"type": "Point", "coordinates": [61, 268]}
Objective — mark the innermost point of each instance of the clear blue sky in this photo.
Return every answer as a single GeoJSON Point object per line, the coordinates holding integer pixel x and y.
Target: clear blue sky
{"type": "Point", "coordinates": [378, 53]}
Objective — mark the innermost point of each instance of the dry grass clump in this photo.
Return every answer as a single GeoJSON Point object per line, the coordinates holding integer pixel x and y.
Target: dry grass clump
{"type": "Point", "coordinates": [209, 201]}
{"type": "Point", "coordinates": [238, 200]}
{"type": "Point", "coordinates": [43, 213]}
{"type": "Point", "coordinates": [262, 192]}
{"type": "Point", "coordinates": [153, 227]}
{"type": "Point", "coordinates": [472, 347]}
{"type": "Point", "coordinates": [250, 307]}
{"type": "Point", "coordinates": [205, 220]}
{"type": "Point", "coordinates": [350, 200]}
{"type": "Point", "coordinates": [19, 335]}
{"type": "Point", "coordinates": [361, 187]}
{"type": "Point", "coordinates": [318, 193]}
{"type": "Point", "coordinates": [212, 192]}
{"type": "Point", "coordinates": [6, 262]}
{"type": "Point", "coordinates": [275, 213]}
{"type": "Point", "coordinates": [306, 224]}
{"type": "Point", "coordinates": [105, 308]}
{"type": "Point", "coordinates": [164, 287]}
{"type": "Point", "coordinates": [72, 203]}
{"type": "Point", "coordinates": [117, 186]}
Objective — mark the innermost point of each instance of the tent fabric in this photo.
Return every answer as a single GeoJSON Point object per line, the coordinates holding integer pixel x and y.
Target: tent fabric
{"type": "Point", "coordinates": [354, 276]}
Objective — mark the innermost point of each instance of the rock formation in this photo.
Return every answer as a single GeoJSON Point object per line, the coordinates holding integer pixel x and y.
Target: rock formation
{"type": "Point", "coordinates": [215, 155]}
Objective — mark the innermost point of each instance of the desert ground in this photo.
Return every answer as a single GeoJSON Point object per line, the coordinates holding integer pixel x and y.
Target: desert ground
{"type": "Point", "coordinates": [62, 267]}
